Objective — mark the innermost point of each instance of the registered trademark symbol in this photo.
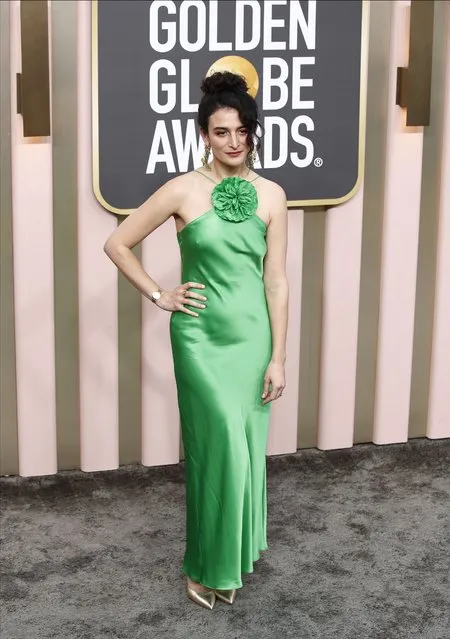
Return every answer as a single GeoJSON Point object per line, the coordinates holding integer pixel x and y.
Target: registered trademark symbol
{"type": "Point", "coordinates": [318, 162]}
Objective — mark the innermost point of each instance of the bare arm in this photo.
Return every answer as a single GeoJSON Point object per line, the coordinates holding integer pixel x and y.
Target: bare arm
{"type": "Point", "coordinates": [136, 227]}
{"type": "Point", "coordinates": [277, 293]}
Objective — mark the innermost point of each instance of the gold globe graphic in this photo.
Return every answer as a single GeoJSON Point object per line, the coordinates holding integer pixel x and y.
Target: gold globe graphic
{"type": "Point", "coordinates": [241, 66]}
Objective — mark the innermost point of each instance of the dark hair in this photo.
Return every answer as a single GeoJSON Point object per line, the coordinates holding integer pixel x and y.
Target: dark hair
{"type": "Point", "coordinates": [227, 89]}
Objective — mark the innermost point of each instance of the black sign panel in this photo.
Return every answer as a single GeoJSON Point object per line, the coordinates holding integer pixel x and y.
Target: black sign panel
{"type": "Point", "coordinates": [303, 61]}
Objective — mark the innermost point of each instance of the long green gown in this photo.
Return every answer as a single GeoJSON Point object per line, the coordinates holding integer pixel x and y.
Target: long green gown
{"type": "Point", "coordinates": [220, 359]}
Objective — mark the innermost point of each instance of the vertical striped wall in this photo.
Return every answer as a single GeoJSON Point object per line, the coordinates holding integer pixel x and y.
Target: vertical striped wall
{"type": "Point", "coordinates": [86, 371]}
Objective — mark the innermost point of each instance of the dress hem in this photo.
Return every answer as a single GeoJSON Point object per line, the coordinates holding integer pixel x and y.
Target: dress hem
{"type": "Point", "coordinates": [225, 586]}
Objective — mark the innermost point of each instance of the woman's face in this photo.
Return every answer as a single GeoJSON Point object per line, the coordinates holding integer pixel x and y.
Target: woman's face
{"type": "Point", "coordinates": [226, 134]}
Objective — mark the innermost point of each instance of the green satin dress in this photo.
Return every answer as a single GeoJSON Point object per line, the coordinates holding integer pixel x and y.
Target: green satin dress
{"type": "Point", "coordinates": [220, 359]}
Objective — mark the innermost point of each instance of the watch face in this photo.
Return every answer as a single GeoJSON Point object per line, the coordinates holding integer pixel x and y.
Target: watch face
{"type": "Point", "coordinates": [156, 295]}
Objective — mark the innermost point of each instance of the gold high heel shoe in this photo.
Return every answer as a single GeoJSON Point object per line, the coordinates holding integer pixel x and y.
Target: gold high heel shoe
{"type": "Point", "coordinates": [228, 596]}
{"type": "Point", "coordinates": [206, 599]}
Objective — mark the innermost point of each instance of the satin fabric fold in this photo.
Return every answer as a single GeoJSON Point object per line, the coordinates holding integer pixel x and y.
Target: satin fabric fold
{"type": "Point", "coordinates": [220, 359]}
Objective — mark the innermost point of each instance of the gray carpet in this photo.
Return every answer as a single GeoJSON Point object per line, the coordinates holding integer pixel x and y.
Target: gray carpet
{"type": "Point", "coordinates": [359, 548]}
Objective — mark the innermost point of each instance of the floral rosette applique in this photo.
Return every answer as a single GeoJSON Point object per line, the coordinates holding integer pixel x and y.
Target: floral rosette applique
{"type": "Point", "coordinates": [234, 199]}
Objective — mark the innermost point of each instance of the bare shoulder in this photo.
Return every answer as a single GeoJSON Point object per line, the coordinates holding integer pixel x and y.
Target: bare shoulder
{"type": "Point", "coordinates": [273, 188]}
{"type": "Point", "coordinates": [184, 182]}
{"type": "Point", "coordinates": [186, 179]}
{"type": "Point", "coordinates": [178, 183]}
{"type": "Point", "coordinates": [173, 192]}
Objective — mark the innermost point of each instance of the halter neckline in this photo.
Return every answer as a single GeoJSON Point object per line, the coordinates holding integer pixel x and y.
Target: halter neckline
{"type": "Point", "coordinates": [209, 178]}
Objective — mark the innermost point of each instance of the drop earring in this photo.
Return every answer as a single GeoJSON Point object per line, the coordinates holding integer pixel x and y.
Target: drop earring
{"type": "Point", "coordinates": [205, 156]}
{"type": "Point", "coordinates": [250, 159]}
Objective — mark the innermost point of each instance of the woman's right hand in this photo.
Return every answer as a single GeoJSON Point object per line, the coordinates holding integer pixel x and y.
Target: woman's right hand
{"type": "Point", "coordinates": [180, 296]}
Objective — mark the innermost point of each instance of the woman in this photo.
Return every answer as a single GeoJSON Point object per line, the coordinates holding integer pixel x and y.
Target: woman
{"type": "Point", "coordinates": [228, 333]}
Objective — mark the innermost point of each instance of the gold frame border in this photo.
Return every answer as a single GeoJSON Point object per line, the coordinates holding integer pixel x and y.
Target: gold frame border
{"type": "Point", "coordinates": [290, 203]}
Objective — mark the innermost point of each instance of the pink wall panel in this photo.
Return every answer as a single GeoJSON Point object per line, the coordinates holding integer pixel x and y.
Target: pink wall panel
{"type": "Point", "coordinates": [97, 289]}
{"type": "Point", "coordinates": [399, 255]}
{"type": "Point", "coordinates": [340, 324]}
{"type": "Point", "coordinates": [33, 285]}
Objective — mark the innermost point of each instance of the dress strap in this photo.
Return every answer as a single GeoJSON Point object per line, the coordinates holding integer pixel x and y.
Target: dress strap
{"type": "Point", "coordinates": [207, 176]}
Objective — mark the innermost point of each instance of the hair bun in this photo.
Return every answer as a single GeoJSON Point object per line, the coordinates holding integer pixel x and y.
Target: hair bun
{"type": "Point", "coordinates": [220, 81]}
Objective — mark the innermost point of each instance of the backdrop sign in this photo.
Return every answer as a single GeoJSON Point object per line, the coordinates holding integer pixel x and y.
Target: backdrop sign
{"type": "Point", "coordinates": [303, 61]}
